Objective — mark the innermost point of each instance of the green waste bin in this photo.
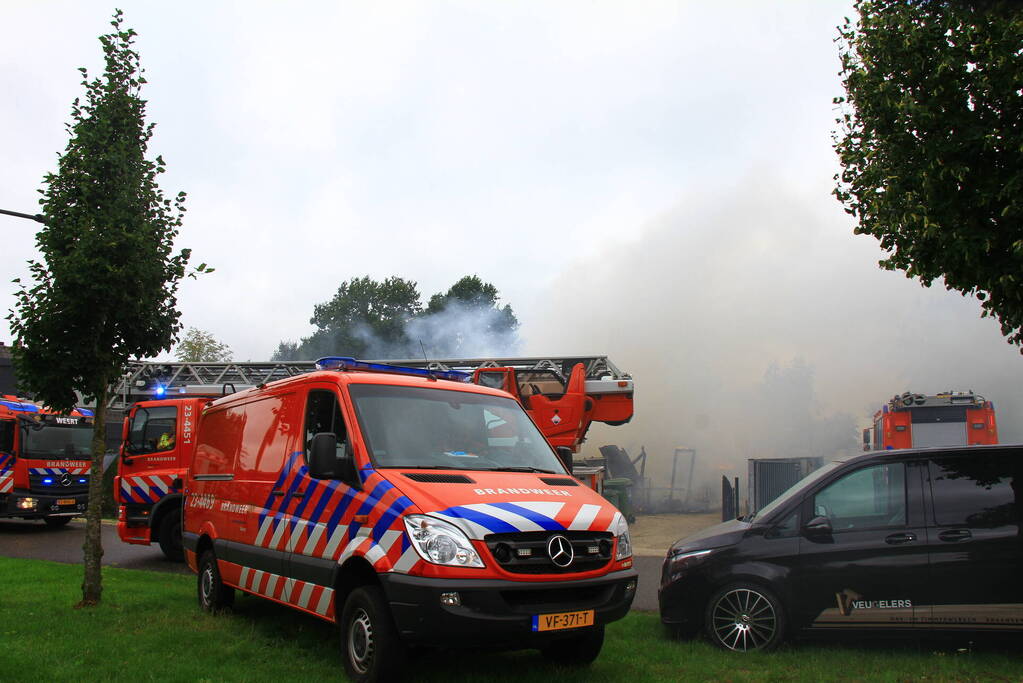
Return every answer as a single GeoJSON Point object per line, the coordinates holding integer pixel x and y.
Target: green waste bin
{"type": "Point", "coordinates": [618, 492]}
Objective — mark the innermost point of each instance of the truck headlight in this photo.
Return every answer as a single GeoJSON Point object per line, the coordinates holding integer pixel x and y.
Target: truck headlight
{"type": "Point", "coordinates": [624, 540]}
{"type": "Point", "coordinates": [439, 542]}
{"type": "Point", "coordinates": [26, 503]}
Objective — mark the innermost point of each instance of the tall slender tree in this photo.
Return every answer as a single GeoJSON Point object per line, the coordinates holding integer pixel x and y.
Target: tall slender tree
{"type": "Point", "coordinates": [105, 290]}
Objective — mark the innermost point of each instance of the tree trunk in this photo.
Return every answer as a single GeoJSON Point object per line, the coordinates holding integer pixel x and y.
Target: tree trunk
{"type": "Point", "coordinates": [92, 583]}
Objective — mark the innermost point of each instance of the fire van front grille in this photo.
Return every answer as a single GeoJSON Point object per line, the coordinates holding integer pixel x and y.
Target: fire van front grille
{"type": "Point", "coordinates": [528, 552]}
{"type": "Point", "coordinates": [548, 599]}
{"type": "Point", "coordinates": [58, 484]}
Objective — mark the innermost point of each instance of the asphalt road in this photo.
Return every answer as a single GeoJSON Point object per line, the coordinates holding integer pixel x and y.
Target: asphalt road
{"type": "Point", "coordinates": [35, 541]}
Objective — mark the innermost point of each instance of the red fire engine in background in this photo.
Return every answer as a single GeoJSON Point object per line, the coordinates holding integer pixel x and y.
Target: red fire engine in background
{"type": "Point", "coordinates": [45, 458]}
{"type": "Point", "coordinates": [563, 396]}
{"type": "Point", "coordinates": [952, 418]}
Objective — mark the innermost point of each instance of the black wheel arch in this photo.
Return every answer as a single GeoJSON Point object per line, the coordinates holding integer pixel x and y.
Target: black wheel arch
{"type": "Point", "coordinates": [170, 504]}
{"type": "Point", "coordinates": [355, 572]}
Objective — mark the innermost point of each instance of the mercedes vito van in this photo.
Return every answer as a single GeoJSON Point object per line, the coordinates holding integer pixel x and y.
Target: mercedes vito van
{"type": "Point", "coordinates": [916, 539]}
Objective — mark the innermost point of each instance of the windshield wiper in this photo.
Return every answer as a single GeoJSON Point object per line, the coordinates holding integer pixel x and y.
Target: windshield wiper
{"type": "Point", "coordinates": [520, 469]}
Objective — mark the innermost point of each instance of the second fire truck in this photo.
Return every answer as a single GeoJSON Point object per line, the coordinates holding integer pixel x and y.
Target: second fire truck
{"type": "Point", "coordinates": [951, 418]}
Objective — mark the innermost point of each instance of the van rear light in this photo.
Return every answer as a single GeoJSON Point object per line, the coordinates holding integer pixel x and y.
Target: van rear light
{"type": "Point", "coordinates": [122, 515]}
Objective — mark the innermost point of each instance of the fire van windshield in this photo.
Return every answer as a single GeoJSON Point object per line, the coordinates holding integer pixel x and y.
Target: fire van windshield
{"type": "Point", "coordinates": [442, 429]}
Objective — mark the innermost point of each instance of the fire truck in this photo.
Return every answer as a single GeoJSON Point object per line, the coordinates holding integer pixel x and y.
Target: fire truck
{"type": "Point", "coordinates": [45, 459]}
{"type": "Point", "coordinates": [563, 395]}
{"type": "Point", "coordinates": [951, 418]}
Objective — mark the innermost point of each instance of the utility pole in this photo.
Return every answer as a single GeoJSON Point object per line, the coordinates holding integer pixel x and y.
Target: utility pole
{"type": "Point", "coordinates": [37, 217]}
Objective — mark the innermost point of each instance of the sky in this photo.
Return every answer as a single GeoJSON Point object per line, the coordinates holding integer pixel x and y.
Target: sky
{"type": "Point", "coordinates": [650, 181]}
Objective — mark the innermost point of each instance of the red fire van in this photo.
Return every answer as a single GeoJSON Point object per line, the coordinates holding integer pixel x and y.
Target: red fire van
{"type": "Point", "coordinates": [408, 506]}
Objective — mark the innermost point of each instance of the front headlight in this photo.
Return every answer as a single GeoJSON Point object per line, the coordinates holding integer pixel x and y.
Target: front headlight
{"type": "Point", "coordinates": [683, 561]}
{"type": "Point", "coordinates": [624, 540]}
{"type": "Point", "coordinates": [439, 542]}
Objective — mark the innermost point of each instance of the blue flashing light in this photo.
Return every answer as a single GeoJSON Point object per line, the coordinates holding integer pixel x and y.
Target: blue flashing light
{"type": "Point", "coordinates": [47, 481]}
{"type": "Point", "coordinates": [86, 412]}
{"type": "Point", "coordinates": [19, 406]}
{"type": "Point", "coordinates": [160, 391]}
{"type": "Point", "coordinates": [83, 480]}
{"type": "Point", "coordinates": [347, 363]}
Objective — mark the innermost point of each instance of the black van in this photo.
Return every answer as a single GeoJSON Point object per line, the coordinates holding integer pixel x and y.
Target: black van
{"type": "Point", "coordinates": [910, 539]}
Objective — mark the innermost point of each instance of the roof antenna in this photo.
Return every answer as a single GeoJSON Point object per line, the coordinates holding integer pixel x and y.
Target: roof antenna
{"type": "Point", "coordinates": [425, 358]}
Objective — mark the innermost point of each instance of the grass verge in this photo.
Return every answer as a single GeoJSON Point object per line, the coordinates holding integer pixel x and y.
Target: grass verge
{"type": "Point", "coordinates": [149, 628]}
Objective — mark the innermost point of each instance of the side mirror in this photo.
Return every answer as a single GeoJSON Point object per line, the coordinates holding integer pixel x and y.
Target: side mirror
{"type": "Point", "coordinates": [323, 460]}
{"type": "Point", "coordinates": [817, 527]}
{"type": "Point", "coordinates": [565, 455]}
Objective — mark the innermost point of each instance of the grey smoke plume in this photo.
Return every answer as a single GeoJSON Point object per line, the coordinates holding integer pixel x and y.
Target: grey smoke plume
{"type": "Point", "coordinates": [462, 331]}
{"type": "Point", "coordinates": [708, 298]}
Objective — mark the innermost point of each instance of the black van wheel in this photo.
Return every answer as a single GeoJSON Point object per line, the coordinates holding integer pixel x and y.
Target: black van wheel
{"type": "Point", "coordinates": [578, 650]}
{"type": "Point", "coordinates": [170, 536]}
{"type": "Point", "coordinates": [745, 617]}
{"type": "Point", "coordinates": [370, 646]}
{"type": "Point", "coordinates": [214, 595]}
{"type": "Point", "coordinates": [56, 521]}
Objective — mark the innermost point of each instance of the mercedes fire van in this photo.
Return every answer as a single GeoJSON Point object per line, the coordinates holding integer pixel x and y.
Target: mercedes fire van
{"type": "Point", "coordinates": [409, 507]}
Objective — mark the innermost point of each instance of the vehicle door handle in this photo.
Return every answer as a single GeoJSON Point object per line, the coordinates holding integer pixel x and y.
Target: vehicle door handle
{"type": "Point", "coordinates": [297, 494]}
{"type": "Point", "coordinates": [899, 539]}
{"type": "Point", "coordinates": [954, 535]}
{"type": "Point", "coordinates": [277, 492]}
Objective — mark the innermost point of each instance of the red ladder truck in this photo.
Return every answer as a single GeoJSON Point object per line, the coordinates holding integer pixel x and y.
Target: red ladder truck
{"type": "Point", "coordinates": [563, 395]}
{"type": "Point", "coordinates": [45, 459]}
{"type": "Point", "coordinates": [951, 418]}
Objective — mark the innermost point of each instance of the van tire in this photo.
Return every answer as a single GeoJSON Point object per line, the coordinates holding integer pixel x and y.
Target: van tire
{"type": "Point", "coordinates": [578, 650]}
{"type": "Point", "coordinates": [56, 521]}
{"type": "Point", "coordinates": [214, 595]}
{"type": "Point", "coordinates": [170, 536]}
{"type": "Point", "coordinates": [370, 646]}
{"type": "Point", "coordinates": [744, 617]}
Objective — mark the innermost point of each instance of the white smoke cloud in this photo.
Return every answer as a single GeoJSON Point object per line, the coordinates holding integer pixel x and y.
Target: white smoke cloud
{"type": "Point", "coordinates": [712, 295]}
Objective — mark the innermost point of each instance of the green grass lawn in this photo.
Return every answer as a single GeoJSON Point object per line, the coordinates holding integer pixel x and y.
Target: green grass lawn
{"type": "Point", "coordinates": [149, 628]}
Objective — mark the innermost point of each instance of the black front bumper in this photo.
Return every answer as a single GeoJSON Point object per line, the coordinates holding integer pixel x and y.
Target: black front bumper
{"type": "Point", "coordinates": [500, 613]}
{"type": "Point", "coordinates": [45, 505]}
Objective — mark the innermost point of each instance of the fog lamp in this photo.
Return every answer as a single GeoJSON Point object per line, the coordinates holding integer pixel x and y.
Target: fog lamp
{"type": "Point", "coordinates": [630, 585]}
{"type": "Point", "coordinates": [27, 503]}
{"type": "Point", "coordinates": [450, 599]}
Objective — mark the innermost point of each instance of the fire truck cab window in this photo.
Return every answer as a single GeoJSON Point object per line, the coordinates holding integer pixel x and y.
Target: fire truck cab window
{"type": "Point", "coordinates": [153, 429]}
{"type": "Point", "coordinates": [869, 498]}
{"type": "Point", "coordinates": [323, 414]}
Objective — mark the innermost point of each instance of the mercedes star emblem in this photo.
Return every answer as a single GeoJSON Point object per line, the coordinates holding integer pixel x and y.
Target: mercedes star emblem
{"type": "Point", "coordinates": [560, 550]}
{"type": "Point", "coordinates": [65, 479]}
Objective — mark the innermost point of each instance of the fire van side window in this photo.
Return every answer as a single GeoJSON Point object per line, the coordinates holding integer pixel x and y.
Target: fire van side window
{"type": "Point", "coordinates": [323, 414]}
{"type": "Point", "coordinates": [6, 436]}
{"type": "Point", "coordinates": [869, 498]}
{"type": "Point", "coordinates": [978, 490]}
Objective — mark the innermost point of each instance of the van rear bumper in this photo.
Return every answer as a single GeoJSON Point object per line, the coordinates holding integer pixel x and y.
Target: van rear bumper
{"type": "Point", "coordinates": [500, 613]}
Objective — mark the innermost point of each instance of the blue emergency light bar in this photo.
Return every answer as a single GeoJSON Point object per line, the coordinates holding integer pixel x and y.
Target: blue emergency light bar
{"type": "Point", "coordinates": [346, 363]}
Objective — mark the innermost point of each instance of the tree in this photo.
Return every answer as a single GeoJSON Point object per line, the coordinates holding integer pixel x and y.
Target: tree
{"type": "Point", "coordinates": [931, 143]}
{"type": "Point", "coordinates": [365, 318]}
{"type": "Point", "coordinates": [199, 346]}
{"type": "Point", "coordinates": [106, 288]}
{"type": "Point", "coordinates": [467, 320]}
{"type": "Point", "coordinates": [380, 320]}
